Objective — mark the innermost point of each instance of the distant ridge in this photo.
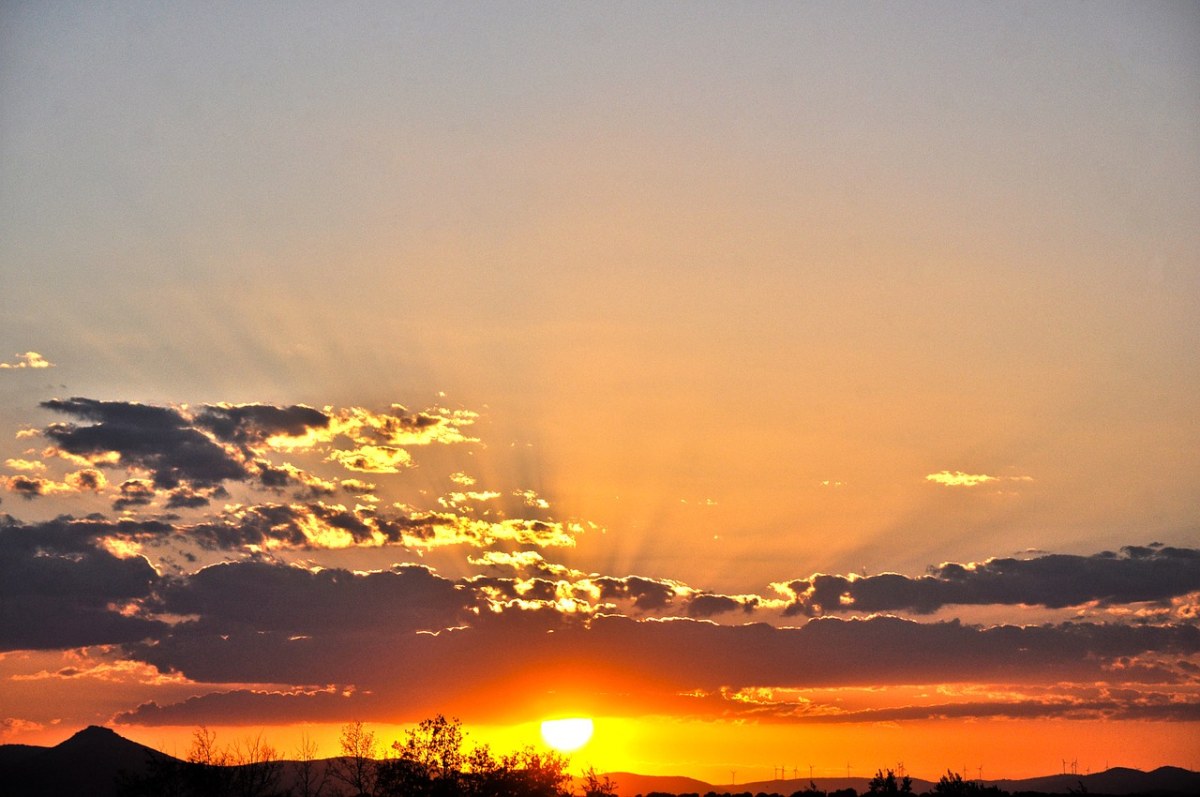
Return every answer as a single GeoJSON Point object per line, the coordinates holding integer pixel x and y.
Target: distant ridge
{"type": "Point", "coordinates": [1117, 780]}
{"type": "Point", "coordinates": [88, 763]}
{"type": "Point", "coordinates": [630, 783]}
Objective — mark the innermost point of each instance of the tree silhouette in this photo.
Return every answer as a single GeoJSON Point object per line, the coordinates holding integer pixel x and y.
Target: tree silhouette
{"type": "Point", "coordinates": [257, 768]}
{"type": "Point", "coordinates": [247, 768]}
{"type": "Point", "coordinates": [885, 782]}
{"type": "Point", "coordinates": [357, 768]}
{"type": "Point", "coordinates": [432, 762]}
{"type": "Point", "coordinates": [953, 783]}
{"type": "Point", "coordinates": [310, 779]}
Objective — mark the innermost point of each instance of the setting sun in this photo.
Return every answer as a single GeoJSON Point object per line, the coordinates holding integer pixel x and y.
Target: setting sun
{"type": "Point", "coordinates": [567, 735]}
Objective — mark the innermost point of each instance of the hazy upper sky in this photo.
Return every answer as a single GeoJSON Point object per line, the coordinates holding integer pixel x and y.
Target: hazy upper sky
{"type": "Point", "coordinates": [742, 292]}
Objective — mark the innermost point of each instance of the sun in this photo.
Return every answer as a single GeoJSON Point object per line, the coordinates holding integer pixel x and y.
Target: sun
{"type": "Point", "coordinates": [567, 735]}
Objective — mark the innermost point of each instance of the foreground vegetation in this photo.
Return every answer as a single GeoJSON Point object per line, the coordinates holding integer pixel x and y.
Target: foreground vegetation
{"type": "Point", "coordinates": [432, 761]}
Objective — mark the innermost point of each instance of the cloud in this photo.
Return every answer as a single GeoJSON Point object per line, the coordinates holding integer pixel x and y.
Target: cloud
{"type": "Point", "coordinates": [133, 493]}
{"type": "Point", "coordinates": [14, 726]}
{"type": "Point", "coordinates": [396, 642]}
{"type": "Point", "coordinates": [959, 479]}
{"type": "Point", "coordinates": [633, 664]}
{"type": "Point", "coordinates": [1136, 574]}
{"type": "Point", "coordinates": [176, 446]}
{"type": "Point", "coordinates": [158, 440]}
{"type": "Point", "coordinates": [646, 594]}
{"type": "Point", "coordinates": [317, 525]}
{"type": "Point", "coordinates": [254, 425]}
{"type": "Point", "coordinates": [189, 498]}
{"type": "Point", "coordinates": [89, 479]}
{"type": "Point", "coordinates": [29, 487]}
{"type": "Point", "coordinates": [357, 486]}
{"type": "Point", "coordinates": [60, 590]}
{"type": "Point", "coordinates": [30, 359]}
{"type": "Point", "coordinates": [1135, 707]}
{"type": "Point", "coordinates": [280, 477]}
{"type": "Point", "coordinates": [373, 459]}
{"type": "Point", "coordinates": [25, 465]}
{"type": "Point", "coordinates": [402, 427]}
{"type": "Point", "coordinates": [262, 597]}
{"type": "Point", "coordinates": [710, 604]}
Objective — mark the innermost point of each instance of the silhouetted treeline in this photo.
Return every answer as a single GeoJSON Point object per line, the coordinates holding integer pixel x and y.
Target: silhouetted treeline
{"type": "Point", "coordinates": [432, 761]}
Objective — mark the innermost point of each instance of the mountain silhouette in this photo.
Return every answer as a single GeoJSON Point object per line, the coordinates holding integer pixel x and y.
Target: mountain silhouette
{"type": "Point", "coordinates": [90, 763]}
{"type": "Point", "coordinates": [86, 764]}
{"type": "Point", "coordinates": [1117, 780]}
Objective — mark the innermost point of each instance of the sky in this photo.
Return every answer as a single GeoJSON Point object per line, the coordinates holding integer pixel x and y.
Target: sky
{"type": "Point", "coordinates": [774, 383]}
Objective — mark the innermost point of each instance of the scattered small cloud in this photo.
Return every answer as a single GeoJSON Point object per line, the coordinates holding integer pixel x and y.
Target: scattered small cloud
{"type": "Point", "coordinates": [26, 465]}
{"type": "Point", "coordinates": [132, 493]}
{"type": "Point", "coordinates": [959, 479]}
{"type": "Point", "coordinates": [532, 499]}
{"type": "Point", "coordinates": [29, 487]}
{"type": "Point", "coordinates": [373, 459]}
{"type": "Point", "coordinates": [30, 359]}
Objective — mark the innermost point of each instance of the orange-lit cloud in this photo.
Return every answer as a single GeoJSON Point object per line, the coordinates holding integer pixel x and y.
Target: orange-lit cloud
{"type": "Point", "coordinates": [87, 480]}
{"type": "Point", "coordinates": [513, 616]}
{"type": "Point", "coordinates": [373, 459]}
{"type": "Point", "coordinates": [959, 479]}
{"type": "Point", "coordinates": [26, 465]}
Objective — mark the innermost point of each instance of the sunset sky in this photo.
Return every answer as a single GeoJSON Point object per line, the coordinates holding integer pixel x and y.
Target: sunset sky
{"type": "Point", "coordinates": [774, 383]}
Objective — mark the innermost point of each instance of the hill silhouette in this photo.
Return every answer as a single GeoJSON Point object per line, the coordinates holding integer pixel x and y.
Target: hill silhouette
{"type": "Point", "coordinates": [93, 761]}
{"type": "Point", "coordinates": [86, 764]}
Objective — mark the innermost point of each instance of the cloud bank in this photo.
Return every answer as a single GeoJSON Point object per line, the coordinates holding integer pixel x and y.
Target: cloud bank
{"type": "Point", "coordinates": [199, 543]}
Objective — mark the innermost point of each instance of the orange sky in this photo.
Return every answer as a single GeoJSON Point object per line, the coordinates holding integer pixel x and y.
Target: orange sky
{"type": "Point", "coordinates": [776, 383]}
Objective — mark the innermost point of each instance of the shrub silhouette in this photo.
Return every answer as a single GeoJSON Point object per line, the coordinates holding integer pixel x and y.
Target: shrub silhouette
{"type": "Point", "coordinates": [885, 782]}
{"type": "Point", "coordinates": [953, 783]}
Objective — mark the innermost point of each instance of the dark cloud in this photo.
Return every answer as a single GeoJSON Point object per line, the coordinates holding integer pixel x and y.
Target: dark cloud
{"type": "Point", "coordinates": [58, 588]}
{"type": "Point", "coordinates": [1136, 574]}
{"type": "Point", "coordinates": [312, 525]}
{"type": "Point", "coordinates": [159, 440]}
{"type": "Point", "coordinates": [267, 707]}
{"type": "Point", "coordinates": [652, 662]}
{"type": "Point", "coordinates": [187, 498]}
{"type": "Point", "coordinates": [264, 597]}
{"type": "Point", "coordinates": [711, 605]}
{"type": "Point", "coordinates": [646, 593]}
{"type": "Point", "coordinates": [271, 476]}
{"type": "Point", "coordinates": [134, 492]}
{"type": "Point", "coordinates": [1130, 709]}
{"type": "Point", "coordinates": [252, 424]}
{"type": "Point", "coordinates": [277, 478]}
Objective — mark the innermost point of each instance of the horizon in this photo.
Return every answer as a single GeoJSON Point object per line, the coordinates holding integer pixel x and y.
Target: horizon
{"type": "Point", "coordinates": [1070, 769]}
{"type": "Point", "coordinates": [769, 384]}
